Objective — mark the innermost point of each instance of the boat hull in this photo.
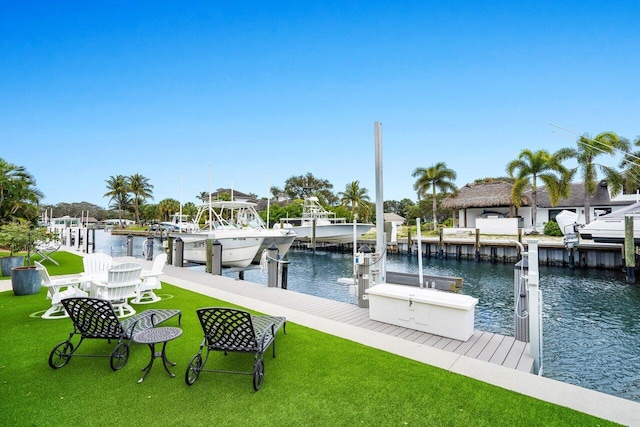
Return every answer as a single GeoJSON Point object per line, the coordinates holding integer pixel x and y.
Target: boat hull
{"type": "Point", "coordinates": [608, 230]}
{"type": "Point", "coordinates": [331, 233]}
{"type": "Point", "coordinates": [283, 239]}
{"type": "Point", "coordinates": [237, 251]}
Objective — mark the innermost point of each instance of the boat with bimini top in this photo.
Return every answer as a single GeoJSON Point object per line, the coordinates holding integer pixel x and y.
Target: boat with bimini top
{"type": "Point", "coordinates": [326, 226]}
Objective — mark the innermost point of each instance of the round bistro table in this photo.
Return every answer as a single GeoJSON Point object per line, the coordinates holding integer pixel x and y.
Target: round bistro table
{"type": "Point", "coordinates": [154, 336]}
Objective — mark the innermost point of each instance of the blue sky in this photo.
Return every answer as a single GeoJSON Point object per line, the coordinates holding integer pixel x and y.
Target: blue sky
{"type": "Point", "coordinates": [253, 93]}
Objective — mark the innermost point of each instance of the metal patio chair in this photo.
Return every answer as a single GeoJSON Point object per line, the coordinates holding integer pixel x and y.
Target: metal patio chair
{"type": "Point", "coordinates": [233, 330]}
{"type": "Point", "coordinates": [96, 319]}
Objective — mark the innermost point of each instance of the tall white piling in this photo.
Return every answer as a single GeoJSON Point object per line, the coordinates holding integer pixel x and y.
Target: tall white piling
{"type": "Point", "coordinates": [535, 308]}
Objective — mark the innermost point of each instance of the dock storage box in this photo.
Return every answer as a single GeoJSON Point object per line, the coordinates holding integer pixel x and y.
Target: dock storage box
{"type": "Point", "coordinates": [436, 312]}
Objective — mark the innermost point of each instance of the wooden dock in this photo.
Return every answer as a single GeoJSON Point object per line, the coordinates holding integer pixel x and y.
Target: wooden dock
{"type": "Point", "coordinates": [484, 346]}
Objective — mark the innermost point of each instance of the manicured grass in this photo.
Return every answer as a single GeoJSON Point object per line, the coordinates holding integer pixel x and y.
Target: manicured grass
{"type": "Point", "coordinates": [69, 263]}
{"type": "Point", "coordinates": [316, 379]}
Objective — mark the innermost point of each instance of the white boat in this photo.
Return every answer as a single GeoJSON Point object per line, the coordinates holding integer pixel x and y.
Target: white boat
{"type": "Point", "coordinates": [243, 215]}
{"type": "Point", "coordinates": [241, 245]}
{"type": "Point", "coordinates": [327, 227]}
{"type": "Point", "coordinates": [179, 223]}
{"type": "Point", "coordinates": [238, 249]}
{"type": "Point", "coordinates": [609, 228]}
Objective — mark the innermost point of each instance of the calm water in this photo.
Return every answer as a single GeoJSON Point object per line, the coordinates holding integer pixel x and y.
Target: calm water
{"type": "Point", "coordinates": [591, 323]}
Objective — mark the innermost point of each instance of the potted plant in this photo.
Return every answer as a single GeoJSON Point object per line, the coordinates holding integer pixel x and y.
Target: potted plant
{"type": "Point", "coordinates": [13, 236]}
{"type": "Point", "coordinates": [20, 236]}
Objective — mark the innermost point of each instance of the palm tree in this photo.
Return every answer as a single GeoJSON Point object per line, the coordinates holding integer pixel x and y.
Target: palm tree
{"type": "Point", "coordinates": [167, 207]}
{"type": "Point", "coordinates": [141, 189]}
{"type": "Point", "coordinates": [435, 178]}
{"type": "Point", "coordinates": [355, 197]}
{"type": "Point", "coordinates": [19, 198]}
{"type": "Point", "coordinates": [118, 193]}
{"type": "Point", "coordinates": [631, 165]}
{"type": "Point", "coordinates": [531, 166]}
{"type": "Point", "coordinates": [586, 153]}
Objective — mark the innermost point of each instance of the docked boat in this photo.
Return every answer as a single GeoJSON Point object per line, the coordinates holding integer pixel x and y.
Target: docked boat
{"type": "Point", "coordinates": [608, 228]}
{"type": "Point", "coordinates": [244, 216]}
{"type": "Point", "coordinates": [179, 223]}
{"type": "Point", "coordinates": [238, 248]}
{"type": "Point", "coordinates": [326, 226]}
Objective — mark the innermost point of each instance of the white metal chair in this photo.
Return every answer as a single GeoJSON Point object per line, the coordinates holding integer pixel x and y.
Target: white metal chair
{"type": "Point", "coordinates": [57, 290]}
{"type": "Point", "coordinates": [95, 264]}
{"type": "Point", "coordinates": [151, 281]}
{"type": "Point", "coordinates": [122, 282]}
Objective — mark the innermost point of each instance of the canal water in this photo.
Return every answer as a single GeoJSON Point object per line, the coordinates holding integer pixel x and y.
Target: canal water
{"type": "Point", "coordinates": [591, 319]}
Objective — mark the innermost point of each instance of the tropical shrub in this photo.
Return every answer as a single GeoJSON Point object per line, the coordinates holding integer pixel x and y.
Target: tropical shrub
{"type": "Point", "coordinates": [552, 228]}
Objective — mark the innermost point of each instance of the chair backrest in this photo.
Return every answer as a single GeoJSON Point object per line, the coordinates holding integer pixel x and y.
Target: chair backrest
{"type": "Point", "coordinates": [228, 329]}
{"type": "Point", "coordinates": [97, 263]}
{"type": "Point", "coordinates": [44, 274]}
{"type": "Point", "coordinates": [159, 263]}
{"type": "Point", "coordinates": [93, 317]}
{"type": "Point", "coordinates": [124, 274]}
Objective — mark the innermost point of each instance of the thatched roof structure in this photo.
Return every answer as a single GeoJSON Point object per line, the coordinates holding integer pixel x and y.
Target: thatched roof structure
{"type": "Point", "coordinates": [576, 197]}
{"type": "Point", "coordinates": [483, 195]}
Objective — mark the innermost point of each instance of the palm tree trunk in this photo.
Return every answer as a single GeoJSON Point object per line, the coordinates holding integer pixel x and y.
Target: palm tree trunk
{"type": "Point", "coordinates": [534, 210]}
{"type": "Point", "coordinates": [587, 206]}
{"type": "Point", "coordinates": [435, 208]}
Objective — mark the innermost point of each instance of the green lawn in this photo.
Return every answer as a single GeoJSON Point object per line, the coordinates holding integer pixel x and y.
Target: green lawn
{"type": "Point", "coordinates": [316, 379]}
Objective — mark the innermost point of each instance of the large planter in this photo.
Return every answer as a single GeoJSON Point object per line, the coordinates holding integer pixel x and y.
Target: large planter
{"type": "Point", "coordinates": [8, 262]}
{"type": "Point", "coordinates": [25, 280]}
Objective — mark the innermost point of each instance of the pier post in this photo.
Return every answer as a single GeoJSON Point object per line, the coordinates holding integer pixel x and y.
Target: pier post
{"type": "Point", "coordinates": [629, 250]}
{"type": "Point", "coordinates": [572, 262]}
{"type": "Point", "coordinates": [477, 245]}
{"type": "Point", "coordinates": [521, 300]}
{"type": "Point", "coordinates": [208, 257]}
{"type": "Point", "coordinates": [85, 241]}
{"type": "Point", "coordinates": [363, 275]}
{"type": "Point", "coordinates": [170, 251]}
{"type": "Point", "coordinates": [216, 258]}
{"type": "Point", "coordinates": [178, 252]}
{"type": "Point", "coordinates": [441, 244]}
{"type": "Point", "coordinates": [272, 266]}
{"type": "Point", "coordinates": [149, 247]}
{"type": "Point", "coordinates": [130, 245]}
{"type": "Point", "coordinates": [409, 243]}
{"type": "Point", "coordinates": [285, 273]}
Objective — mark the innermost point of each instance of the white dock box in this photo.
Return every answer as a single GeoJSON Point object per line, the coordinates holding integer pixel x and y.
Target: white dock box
{"type": "Point", "coordinates": [436, 312]}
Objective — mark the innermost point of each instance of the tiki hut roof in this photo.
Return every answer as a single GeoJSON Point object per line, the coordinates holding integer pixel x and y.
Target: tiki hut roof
{"type": "Point", "coordinates": [482, 195]}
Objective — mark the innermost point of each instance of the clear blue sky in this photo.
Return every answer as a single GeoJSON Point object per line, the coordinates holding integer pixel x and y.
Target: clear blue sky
{"type": "Point", "coordinates": [258, 92]}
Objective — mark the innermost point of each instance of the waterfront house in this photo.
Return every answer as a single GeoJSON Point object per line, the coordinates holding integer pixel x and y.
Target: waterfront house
{"type": "Point", "coordinates": [488, 206]}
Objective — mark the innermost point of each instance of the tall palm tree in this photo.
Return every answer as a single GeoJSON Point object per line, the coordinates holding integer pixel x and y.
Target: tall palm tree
{"type": "Point", "coordinates": [118, 193]}
{"type": "Point", "coordinates": [437, 178]}
{"type": "Point", "coordinates": [142, 190]}
{"type": "Point", "coordinates": [354, 197]}
{"type": "Point", "coordinates": [533, 165]}
{"type": "Point", "coordinates": [586, 153]}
